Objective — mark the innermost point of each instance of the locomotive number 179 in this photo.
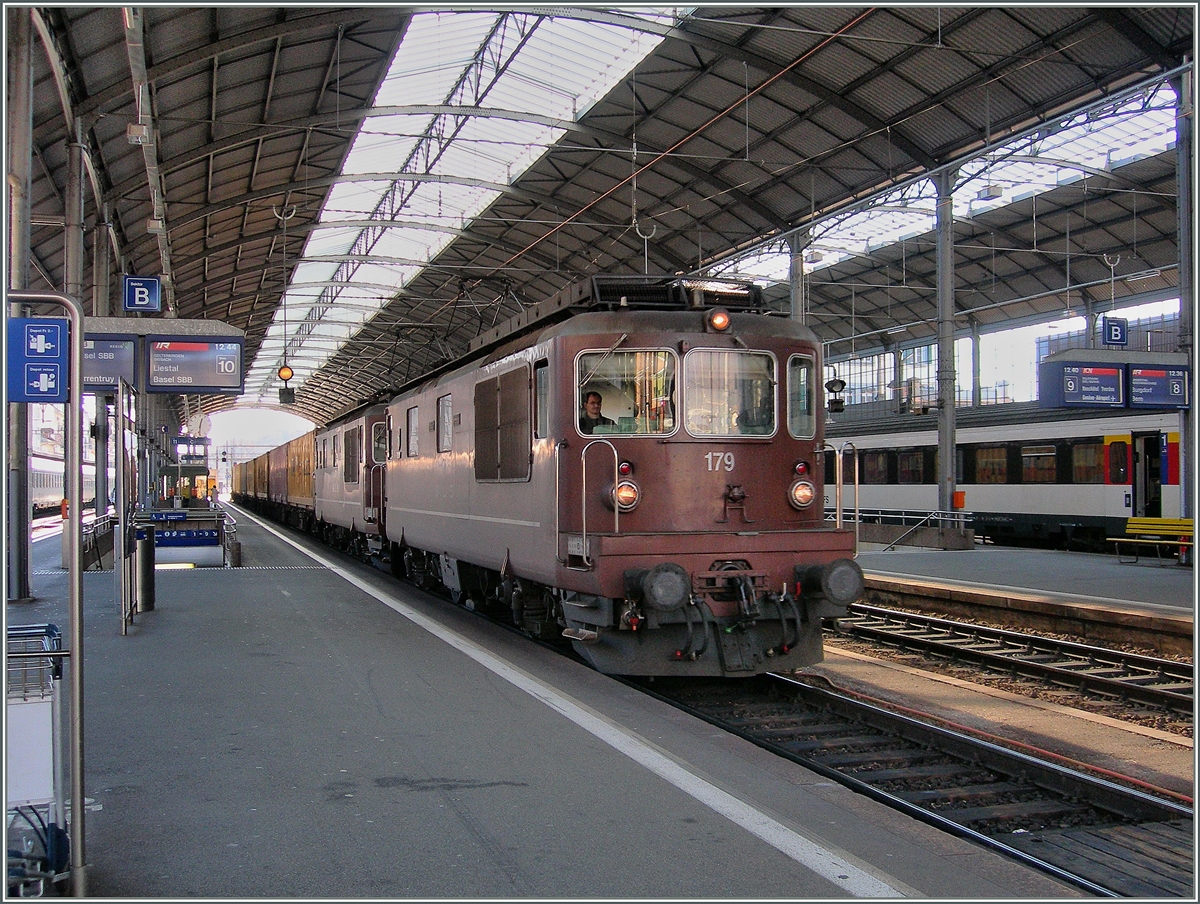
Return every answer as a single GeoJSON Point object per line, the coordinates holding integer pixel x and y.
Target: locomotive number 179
{"type": "Point", "coordinates": [719, 461]}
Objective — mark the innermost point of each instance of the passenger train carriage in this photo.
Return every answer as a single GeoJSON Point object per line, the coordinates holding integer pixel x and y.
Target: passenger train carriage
{"type": "Point", "coordinates": [1064, 477]}
{"type": "Point", "coordinates": [681, 535]}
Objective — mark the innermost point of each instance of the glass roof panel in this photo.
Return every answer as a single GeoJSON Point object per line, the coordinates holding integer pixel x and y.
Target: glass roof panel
{"type": "Point", "coordinates": [564, 65]}
{"type": "Point", "coordinates": [1136, 129]}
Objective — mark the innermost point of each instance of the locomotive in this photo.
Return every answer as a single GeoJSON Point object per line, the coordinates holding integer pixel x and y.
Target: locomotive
{"type": "Point", "coordinates": [679, 531]}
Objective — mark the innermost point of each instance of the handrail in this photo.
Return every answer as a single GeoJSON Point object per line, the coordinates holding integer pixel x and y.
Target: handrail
{"type": "Point", "coordinates": [913, 529]}
{"type": "Point", "coordinates": [960, 518]}
{"type": "Point", "coordinates": [583, 507]}
{"type": "Point", "coordinates": [381, 468]}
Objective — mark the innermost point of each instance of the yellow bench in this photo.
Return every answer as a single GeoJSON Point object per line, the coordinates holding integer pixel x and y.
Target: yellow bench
{"type": "Point", "coordinates": [1156, 532]}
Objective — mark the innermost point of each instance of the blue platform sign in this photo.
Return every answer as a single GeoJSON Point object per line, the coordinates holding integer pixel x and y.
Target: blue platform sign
{"type": "Point", "coordinates": [142, 293]}
{"type": "Point", "coordinates": [1115, 330]}
{"type": "Point", "coordinates": [1158, 386]}
{"type": "Point", "coordinates": [38, 359]}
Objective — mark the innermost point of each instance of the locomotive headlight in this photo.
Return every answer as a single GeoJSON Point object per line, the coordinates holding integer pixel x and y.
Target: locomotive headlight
{"type": "Point", "coordinates": [718, 320]}
{"type": "Point", "coordinates": [626, 496]}
{"type": "Point", "coordinates": [801, 494]}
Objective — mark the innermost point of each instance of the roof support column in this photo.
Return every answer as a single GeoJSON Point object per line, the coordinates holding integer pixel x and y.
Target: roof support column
{"type": "Point", "coordinates": [20, 165]}
{"type": "Point", "coordinates": [1184, 204]}
{"type": "Point", "coordinates": [976, 368]}
{"type": "Point", "coordinates": [797, 242]}
{"type": "Point", "coordinates": [944, 181]}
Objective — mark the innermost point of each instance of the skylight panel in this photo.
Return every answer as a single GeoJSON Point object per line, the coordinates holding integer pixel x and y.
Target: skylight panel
{"type": "Point", "coordinates": [562, 68]}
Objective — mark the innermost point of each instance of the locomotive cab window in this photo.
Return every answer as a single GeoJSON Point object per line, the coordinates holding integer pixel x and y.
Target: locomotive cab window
{"type": "Point", "coordinates": [729, 393]}
{"type": "Point", "coordinates": [802, 421]}
{"type": "Point", "coordinates": [629, 391]}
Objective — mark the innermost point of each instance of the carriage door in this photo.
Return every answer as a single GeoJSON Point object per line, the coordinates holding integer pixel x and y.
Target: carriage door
{"type": "Point", "coordinates": [376, 469]}
{"type": "Point", "coordinates": [1147, 475]}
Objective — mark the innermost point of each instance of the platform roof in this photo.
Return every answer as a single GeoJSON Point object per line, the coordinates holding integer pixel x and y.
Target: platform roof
{"type": "Point", "coordinates": [415, 177]}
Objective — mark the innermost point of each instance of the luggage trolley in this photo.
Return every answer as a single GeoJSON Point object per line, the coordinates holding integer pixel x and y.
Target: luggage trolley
{"type": "Point", "coordinates": [38, 844]}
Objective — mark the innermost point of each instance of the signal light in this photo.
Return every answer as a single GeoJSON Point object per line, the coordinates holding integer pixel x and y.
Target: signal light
{"type": "Point", "coordinates": [625, 468]}
{"type": "Point", "coordinates": [285, 373]}
{"type": "Point", "coordinates": [718, 320]}
{"type": "Point", "coordinates": [801, 468]}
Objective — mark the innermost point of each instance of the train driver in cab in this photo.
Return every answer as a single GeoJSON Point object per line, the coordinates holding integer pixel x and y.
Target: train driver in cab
{"type": "Point", "coordinates": [592, 417]}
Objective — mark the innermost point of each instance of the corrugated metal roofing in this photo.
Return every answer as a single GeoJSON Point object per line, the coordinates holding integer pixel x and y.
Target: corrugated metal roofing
{"type": "Point", "coordinates": [278, 129]}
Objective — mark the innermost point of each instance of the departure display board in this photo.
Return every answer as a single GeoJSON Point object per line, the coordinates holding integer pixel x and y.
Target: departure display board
{"type": "Point", "coordinates": [108, 359]}
{"type": "Point", "coordinates": [1093, 384]}
{"type": "Point", "coordinates": [1153, 386]}
{"type": "Point", "coordinates": [194, 364]}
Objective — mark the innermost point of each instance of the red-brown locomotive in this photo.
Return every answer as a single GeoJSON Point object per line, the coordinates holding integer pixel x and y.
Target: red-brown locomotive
{"type": "Point", "coordinates": [635, 465]}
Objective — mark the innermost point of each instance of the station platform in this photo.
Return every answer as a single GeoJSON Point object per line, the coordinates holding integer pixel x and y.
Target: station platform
{"type": "Point", "coordinates": [305, 726]}
{"type": "Point", "coordinates": [1094, 578]}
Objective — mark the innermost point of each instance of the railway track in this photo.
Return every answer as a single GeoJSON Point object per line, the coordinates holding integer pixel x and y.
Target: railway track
{"type": "Point", "coordinates": [1132, 678]}
{"type": "Point", "coordinates": [1102, 837]}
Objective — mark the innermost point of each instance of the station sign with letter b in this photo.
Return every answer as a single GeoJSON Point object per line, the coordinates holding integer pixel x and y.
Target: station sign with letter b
{"type": "Point", "coordinates": [142, 293]}
{"type": "Point", "coordinates": [1116, 330]}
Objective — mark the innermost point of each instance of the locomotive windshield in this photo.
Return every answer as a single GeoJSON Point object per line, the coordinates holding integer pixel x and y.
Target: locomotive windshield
{"type": "Point", "coordinates": [630, 391]}
{"type": "Point", "coordinates": [729, 393]}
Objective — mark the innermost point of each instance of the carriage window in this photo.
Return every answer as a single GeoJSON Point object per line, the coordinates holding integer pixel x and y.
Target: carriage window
{"type": "Point", "coordinates": [729, 393]}
{"type": "Point", "coordinates": [353, 451]}
{"type": "Point", "coordinates": [801, 421]}
{"type": "Point", "coordinates": [636, 390]}
{"type": "Point", "coordinates": [1087, 463]}
{"type": "Point", "coordinates": [1038, 464]}
{"type": "Point", "coordinates": [1118, 462]}
{"type": "Point", "coordinates": [910, 466]}
{"type": "Point", "coordinates": [337, 446]}
{"type": "Point", "coordinates": [379, 442]}
{"type": "Point", "coordinates": [445, 423]}
{"type": "Point", "coordinates": [502, 440]}
{"type": "Point", "coordinates": [541, 394]}
{"type": "Point", "coordinates": [991, 465]}
{"type": "Point", "coordinates": [874, 465]}
{"type": "Point", "coordinates": [413, 431]}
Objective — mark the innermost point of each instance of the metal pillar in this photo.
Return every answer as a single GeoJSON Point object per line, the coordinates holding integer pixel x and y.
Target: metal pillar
{"type": "Point", "coordinates": [73, 272]}
{"type": "Point", "coordinates": [976, 368]}
{"type": "Point", "coordinates": [945, 330]}
{"type": "Point", "coordinates": [797, 242]}
{"type": "Point", "coordinates": [72, 539]}
{"type": "Point", "coordinates": [101, 456]}
{"type": "Point", "coordinates": [101, 265]}
{"type": "Point", "coordinates": [20, 161]}
{"type": "Point", "coordinates": [1184, 205]}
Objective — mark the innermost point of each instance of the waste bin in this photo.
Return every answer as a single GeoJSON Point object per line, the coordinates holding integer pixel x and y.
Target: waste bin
{"type": "Point", "coordinates": [145, 571]}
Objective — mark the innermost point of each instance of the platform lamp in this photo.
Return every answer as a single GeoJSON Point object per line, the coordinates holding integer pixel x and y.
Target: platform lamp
{"type": "Point", "coordinates": [287, 395]}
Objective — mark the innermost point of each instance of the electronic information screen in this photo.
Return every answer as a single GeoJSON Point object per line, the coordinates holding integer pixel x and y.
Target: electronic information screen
{"type": "Point", "coordinates": [194, 365]}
